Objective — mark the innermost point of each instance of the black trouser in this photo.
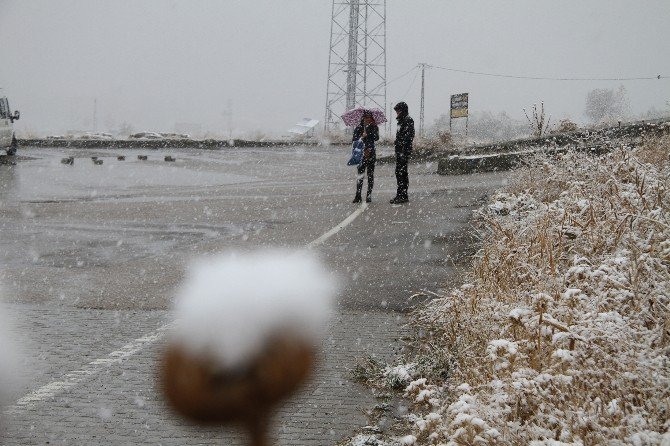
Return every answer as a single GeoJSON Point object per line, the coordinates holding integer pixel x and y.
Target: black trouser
{"type": "Point", "coordinates": [369, 165]}
{"type": "Point", "coordinates": [401, 175]}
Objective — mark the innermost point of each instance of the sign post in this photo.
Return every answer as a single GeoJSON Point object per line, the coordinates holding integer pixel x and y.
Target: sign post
{"type": "Point", "coordinates": [459, 109]}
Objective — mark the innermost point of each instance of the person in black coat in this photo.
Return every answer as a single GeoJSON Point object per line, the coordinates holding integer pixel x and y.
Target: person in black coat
{"type": "Point", "coordinates": [368, 131]}
{"type": "Point", "coordinates": [403, 149]}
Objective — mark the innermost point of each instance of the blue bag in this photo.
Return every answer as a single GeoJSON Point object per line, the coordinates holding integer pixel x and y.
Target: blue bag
{"type": "Point", "coordinates": [356, 153]}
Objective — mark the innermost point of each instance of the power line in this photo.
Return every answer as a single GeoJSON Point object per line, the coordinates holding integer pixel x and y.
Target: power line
{"type": "Point", "coordinates": [402, 75]}
{"type": "Point", "coordinates": [412, 84]}
{"type": "Point", "coordinates": [538, 78]}
{"type": "Point", "coordinates": [414, 69]}
{"type": "Point", "coordinates": [395, 79]}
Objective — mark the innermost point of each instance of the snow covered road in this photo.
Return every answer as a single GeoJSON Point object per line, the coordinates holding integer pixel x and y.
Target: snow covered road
{"type": "Point", "coordinates": [91, 255]}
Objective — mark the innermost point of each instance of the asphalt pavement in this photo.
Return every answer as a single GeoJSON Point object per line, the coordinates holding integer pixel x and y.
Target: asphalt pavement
{"type": "Point", "coordinates": [91, 255]}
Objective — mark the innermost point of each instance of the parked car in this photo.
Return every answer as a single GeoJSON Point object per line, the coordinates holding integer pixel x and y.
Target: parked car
{"type": "Point", "coordinates": [146, 135]}
{"type": "Point", "coordinates": [96, 136]}
{"type": "Point", "coordinates": [8, 142]}
{"type": "Point", "coordinates": [175, 135]}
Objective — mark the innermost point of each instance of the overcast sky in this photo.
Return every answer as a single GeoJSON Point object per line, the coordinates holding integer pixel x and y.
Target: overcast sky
{"type": "Point", "coordinates": [154, 63]}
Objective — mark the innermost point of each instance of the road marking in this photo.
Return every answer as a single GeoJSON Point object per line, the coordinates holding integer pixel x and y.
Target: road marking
{"type": "Point", "coordinates": [346, 222]}
{"type": "Point", "coordinates": [71, 379]}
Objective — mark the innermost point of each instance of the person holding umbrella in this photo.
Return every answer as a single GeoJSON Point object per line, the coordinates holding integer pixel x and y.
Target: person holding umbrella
{"type": "Point", "coordinates": [368, 132]}
{"type": "Point", "coordinates": [403, 150]}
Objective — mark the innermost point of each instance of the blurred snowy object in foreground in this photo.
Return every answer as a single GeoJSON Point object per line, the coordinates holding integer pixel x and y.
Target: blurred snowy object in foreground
{"type": "Point", "coordinates": [8, 359]}
{"type": "Point", "coordinates": [246, 338]}
{"type": "Point", "coordinates": [231, 305]}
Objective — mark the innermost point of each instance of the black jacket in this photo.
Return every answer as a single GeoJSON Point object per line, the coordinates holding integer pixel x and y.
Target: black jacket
{"type": "Point", "coordinates": [372, 132]}
{"type": "Point", "coordinates": [405, 135]}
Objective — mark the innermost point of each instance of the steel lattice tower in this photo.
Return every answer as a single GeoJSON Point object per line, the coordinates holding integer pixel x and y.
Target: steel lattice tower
{"type": "Point", "coordinates": [357, 58]}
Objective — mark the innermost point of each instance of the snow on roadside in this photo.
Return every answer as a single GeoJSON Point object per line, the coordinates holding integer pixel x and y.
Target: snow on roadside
{"type": "Point", "coordinates": [562, 335]}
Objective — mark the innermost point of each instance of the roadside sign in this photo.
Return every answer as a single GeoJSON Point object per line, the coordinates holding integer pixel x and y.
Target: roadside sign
{"type": "Point", "coordinates": [459, 109]}
{"type": "Point", "coordinates": [459, 105]}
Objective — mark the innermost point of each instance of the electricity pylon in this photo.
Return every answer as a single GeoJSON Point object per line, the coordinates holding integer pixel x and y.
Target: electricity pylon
{"type": "Point", "coordinates": [357, 58]}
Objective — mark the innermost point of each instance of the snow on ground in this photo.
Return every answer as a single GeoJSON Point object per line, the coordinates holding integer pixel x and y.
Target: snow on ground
{"type": "Point", "coordinates": [562, 334]}
{"type": "Point", "coordinates": [9, 359]}
{"type": "Point", "coordinates": [231, 304]}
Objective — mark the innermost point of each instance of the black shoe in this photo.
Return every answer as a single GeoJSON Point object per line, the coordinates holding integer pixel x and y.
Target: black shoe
{"type": "Point", "coordinates": [368, 199]}
{"type": "Point", "coordinates": [399, 200]}
{"type": "Point", "coordinates": [357, 199]}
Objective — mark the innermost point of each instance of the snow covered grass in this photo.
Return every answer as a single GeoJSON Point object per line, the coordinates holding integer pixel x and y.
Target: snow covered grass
{"type": "Point", "coordinates": [231, 305]}
{"type": "Point", "coordinates": [561, 334]}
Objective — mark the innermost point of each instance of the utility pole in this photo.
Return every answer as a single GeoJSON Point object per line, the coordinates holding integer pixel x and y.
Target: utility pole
{"type": "Point", "coordinates": [390, 120]}
{"type": "Point", "coordinates": [423, 103]}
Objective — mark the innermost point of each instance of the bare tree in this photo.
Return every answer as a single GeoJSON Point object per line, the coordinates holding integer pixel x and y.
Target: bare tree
{"type": "Point", "coordinates": [604, 104]}
{"type": "Point", "coordinates": [539, 124]}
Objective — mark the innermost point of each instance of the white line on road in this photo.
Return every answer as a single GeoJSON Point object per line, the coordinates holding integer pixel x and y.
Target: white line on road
{"type": "Point", "coordinates": [346, 222]}
{"type": "Point", "coordinates": [71, 379]}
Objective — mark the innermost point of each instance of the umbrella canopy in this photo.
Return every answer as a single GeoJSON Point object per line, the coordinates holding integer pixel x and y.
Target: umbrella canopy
{"type": "Point", "coordinates": [353, 117]}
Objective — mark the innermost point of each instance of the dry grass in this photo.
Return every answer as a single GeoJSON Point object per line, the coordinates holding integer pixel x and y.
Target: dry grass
{"type": "Point", "coordinates": [562, 332]}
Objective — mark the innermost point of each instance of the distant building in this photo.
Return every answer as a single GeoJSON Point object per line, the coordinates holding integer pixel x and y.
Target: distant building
{"type": "Point", "coordinates": [304, 129]}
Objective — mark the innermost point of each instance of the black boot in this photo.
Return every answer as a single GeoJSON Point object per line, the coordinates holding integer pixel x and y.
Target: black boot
{"type": "Point", "coordinates": [368, 198]}
{"type": "Point", "coordinates": [359, 189]}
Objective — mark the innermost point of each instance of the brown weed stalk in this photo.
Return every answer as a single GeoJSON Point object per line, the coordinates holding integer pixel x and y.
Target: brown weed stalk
{"type": "Point", "coordinates": [562, 332]}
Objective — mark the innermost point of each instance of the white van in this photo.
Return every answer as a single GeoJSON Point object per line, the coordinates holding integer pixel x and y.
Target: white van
{"type": "Point", "coordinates": [7, 139]}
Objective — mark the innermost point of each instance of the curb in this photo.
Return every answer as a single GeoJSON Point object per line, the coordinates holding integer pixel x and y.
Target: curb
{"type": "Point", "coordinates": [460, 165]}
{"type": "Point", "coordinates": [498, 162]}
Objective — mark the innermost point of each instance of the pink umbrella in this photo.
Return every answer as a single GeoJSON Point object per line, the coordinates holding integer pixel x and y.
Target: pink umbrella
{"type": "Point", "coordinates": [353, 117]}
